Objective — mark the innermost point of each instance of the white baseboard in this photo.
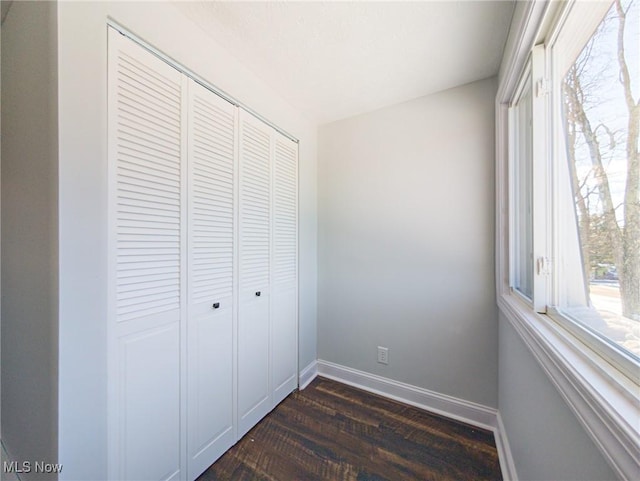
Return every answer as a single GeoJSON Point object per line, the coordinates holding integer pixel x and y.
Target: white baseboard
{"type": "Point", "coordinates": [308, 374]}
{"type": "Point", "coordinates": [466, 411]}
{"type": "Point", "coordinates": [504, 452]}
{"type": "Point", "coordinates": [461, 410]}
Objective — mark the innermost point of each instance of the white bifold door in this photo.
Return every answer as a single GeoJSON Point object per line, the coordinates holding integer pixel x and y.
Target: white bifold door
{"type": "Point", "coordinates": [203, 282]}
{"type": "Point", "coordinates": [268, 281]}
{"type": "Point", "coordinates": [284, 272]}
{"type": "Point", "coordinates": [211, 238]}
{"type": "Point", "coordinates": [147, 232]}
{"type": "Point", "coordinates": [254, 396]}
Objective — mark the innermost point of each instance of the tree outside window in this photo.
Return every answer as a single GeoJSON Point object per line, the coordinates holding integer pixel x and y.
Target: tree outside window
{"type": "Point", "coordinates": [601, 103]}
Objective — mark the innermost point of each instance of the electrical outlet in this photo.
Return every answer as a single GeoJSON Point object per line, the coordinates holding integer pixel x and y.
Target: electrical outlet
{"type": "Point", "coordinates": [383, 355]}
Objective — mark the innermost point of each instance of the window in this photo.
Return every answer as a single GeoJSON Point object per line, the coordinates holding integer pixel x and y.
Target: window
{"type": "Point", "coordinates": [568, 182]}
{"type": "Point", "coordinates": [575, 194]}
{"type": "Point", "coordinates": [521, 149]}
{"type": "Point", "coordinates": [597, 85]}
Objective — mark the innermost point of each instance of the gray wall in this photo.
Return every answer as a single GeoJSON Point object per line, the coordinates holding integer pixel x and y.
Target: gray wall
{"type": "Point", "coordinates": [546, 439]}
{"type": "Point", "coordinates": [406, 242]}
{"type": "Point", "coordinates": [29, 233]}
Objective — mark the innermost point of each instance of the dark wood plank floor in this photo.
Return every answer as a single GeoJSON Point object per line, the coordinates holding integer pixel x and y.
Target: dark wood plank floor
{"type": "Point", "coordinates": [334, 432]}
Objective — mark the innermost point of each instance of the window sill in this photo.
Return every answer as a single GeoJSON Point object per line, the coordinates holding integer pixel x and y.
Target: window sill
{"type": "Point", "coordinates": [605, 401]}
{"type": "Point", "coordinates": [578, 321]}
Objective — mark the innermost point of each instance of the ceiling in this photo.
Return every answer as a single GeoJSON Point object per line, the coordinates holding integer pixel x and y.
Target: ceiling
{"type": "Point", "coordinates": [334, 60]}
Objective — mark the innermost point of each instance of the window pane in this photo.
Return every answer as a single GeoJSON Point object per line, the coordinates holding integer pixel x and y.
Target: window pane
{"type": "Point", "coordinates": [600, 94]}
{"type": "Point", "coordinates": [523, 193]}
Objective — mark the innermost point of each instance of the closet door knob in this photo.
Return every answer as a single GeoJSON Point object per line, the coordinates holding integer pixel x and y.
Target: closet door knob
{"type": "Point", "coordinates": [258, 294]}
{"type": "Point", "coordinates": [216, 305]}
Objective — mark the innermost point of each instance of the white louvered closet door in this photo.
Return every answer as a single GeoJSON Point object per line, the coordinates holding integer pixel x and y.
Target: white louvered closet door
{"type": "Point", "coordinates": [146, 308]}
{"type": "Point", "coordinates": [284, 286]}
{"type": "Point", "coordinates": [211, 214]}
{"type": "Point", "coordinates": [254, 397]}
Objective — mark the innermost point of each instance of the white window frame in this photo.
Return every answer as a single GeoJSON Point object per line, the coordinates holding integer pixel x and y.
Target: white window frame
{"type": "Point", "coordinates": [600, 392]}
{"type": "Point", "coordinates": [584, 23]}
{"type": "Point", "coordinates": [515, 132]}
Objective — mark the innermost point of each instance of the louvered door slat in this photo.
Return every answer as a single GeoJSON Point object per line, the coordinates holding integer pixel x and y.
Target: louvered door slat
{"type": "Point", "coordinates": [255, 204]}
{"type": "Point", "coordinates": [211, 211]}
{"type": "Point", "coordinates": [285, 212]}
{"type": "Point", "coordinates": [148, 144]}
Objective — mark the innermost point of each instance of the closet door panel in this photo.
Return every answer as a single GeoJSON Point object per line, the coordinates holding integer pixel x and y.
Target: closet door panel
{"type": "Point", "coordinates": [146, 213]}
{"type": "Point", "coordinates": [253, 365]}
{"type": "Point", "coordinates": [150, 387]}
{"type": "Point", "coordinates": [254, 399]}
{"type": "Point", "coordinates": [211, 219]}
{"type": "Point", "coordinates": [210, 413]}
{"type": "Point", "coordinates": [284, 330]}
{"type": "Point", "coordinates": [284, 351]}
